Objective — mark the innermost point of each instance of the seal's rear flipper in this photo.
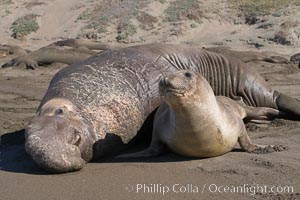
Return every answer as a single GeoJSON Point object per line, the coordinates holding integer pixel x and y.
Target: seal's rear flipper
{"type": "Point", "coordinates": [289, 105]}
{"type": "Point", "coordinates": [248, 146]}
{"type": "Point", "coordinates": [260, 114]}
{"type": "Point", "coordinates": [154, 150]}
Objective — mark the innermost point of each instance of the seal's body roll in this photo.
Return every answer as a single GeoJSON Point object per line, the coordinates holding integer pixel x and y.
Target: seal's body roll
{"type": "Point", "coordinates": [110, 95]}
{"type": "Point", "coordinates": [193, 122]}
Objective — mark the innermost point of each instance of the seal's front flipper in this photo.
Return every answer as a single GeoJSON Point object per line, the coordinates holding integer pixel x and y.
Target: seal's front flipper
{"type": "Point", "coordinates": [30, 63]}
{"type": "Point", "coordinates": [154, 150]}
{"type": "Point", "coordinates": [248, 146]}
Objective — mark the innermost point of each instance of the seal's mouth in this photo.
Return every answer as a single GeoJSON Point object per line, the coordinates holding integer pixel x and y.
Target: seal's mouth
{"type": "Point", "coordinates": [166, 88]}
{"type": "Point", "coordinates": [173, 91]}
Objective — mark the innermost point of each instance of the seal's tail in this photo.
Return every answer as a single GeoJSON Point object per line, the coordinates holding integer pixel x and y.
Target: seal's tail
{"type": "Point", "coordinates": [288, 105]}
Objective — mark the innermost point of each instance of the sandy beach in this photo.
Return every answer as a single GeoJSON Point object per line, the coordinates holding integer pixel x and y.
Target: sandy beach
{"type": "Point", "coordinates": [235, 175]}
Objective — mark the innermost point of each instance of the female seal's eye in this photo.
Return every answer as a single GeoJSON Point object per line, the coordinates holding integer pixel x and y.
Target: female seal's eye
{"type": "Point", "coordinates": [59, 111]}
{"type": "Point", "coordinates": [188, 74]}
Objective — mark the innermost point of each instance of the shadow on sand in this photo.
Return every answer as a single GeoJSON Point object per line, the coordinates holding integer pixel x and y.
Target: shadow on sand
{"type": "Point", "coordinates": [14, 157]}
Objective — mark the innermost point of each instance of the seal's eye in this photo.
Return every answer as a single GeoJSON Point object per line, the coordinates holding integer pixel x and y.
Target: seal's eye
{"type": "Point", "coordinates": [188, 74]}
{"type": "Point", "coordinates": [59, 111]}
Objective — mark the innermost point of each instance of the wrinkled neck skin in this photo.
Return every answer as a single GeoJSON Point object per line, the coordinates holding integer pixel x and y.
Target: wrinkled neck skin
{"type": "Point", "coordinates": [58, 138]}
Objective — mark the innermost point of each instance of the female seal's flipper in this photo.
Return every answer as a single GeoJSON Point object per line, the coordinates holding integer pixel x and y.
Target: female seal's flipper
{"type": "Point", "coordinates": [155, 149]}
{"type": "Point", "coordinates": [249, 113]}
{"type": "Point", "coordinates": [261, 114]}
{"type": "Point", "coordinates": [250, 147]}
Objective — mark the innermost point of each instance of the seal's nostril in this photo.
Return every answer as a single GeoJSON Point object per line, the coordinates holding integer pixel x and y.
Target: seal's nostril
{"type": "Point", "coordinates": [166, 81]}
{"type": "Point", "coordinates": [77, 140]}
{"type": "Point", "coordinates": [59, 111]}
{"type": "Point", "coordinates": [188, 74]}
{"type": "Point", "coordinates": [163, 82]}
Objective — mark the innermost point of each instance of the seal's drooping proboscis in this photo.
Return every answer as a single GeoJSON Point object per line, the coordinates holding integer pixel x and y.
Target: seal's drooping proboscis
{"type": "Point", "coordinates": [93, 107]}
{"type": "Point", "coordinates": [194, 122]}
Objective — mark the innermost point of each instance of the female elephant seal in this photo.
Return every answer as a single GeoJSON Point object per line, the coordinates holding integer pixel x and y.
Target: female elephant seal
{"type": "Point", "coordinates": [193, 122]}
{"type": "Point", "coordinates": [93, 107]}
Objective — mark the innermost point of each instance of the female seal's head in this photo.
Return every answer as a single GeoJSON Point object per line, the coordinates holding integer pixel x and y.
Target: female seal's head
{"type": "Point", "coordinates": [182, 85]}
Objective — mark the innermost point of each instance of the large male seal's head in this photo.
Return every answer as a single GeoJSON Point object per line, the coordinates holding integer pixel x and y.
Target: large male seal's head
{"type": "Point", "coordinates": [178, 87]}
{"type": "Point", "coordinates": [58, 138]}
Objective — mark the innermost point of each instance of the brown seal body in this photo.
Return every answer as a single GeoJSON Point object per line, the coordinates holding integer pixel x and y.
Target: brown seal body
{"type": "Point", "coordinates": [48, 55]}
{"type": "Point", "coordinates": [56, 53]}
{"type": "Point", "coordinates": [109, 96]}
{"type": "Point", "coordinates": [193, 122]}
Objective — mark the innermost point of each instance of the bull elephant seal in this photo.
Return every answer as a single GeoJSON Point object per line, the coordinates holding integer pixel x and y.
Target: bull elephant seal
{"type": "Point", "coordinates": [193, 122]}
{"type": "Point", "coordinates": [106, 98]}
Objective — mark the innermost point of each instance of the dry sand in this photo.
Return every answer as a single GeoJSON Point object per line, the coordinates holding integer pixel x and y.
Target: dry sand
{"type": "Point", "coordinates": [21, 91]}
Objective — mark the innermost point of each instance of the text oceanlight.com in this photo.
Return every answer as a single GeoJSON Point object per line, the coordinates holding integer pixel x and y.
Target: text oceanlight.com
{"type": "Point", "coordinates": [211, 188]}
